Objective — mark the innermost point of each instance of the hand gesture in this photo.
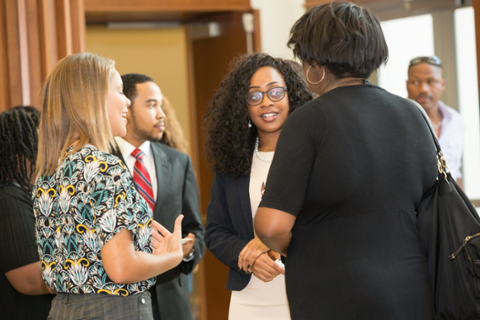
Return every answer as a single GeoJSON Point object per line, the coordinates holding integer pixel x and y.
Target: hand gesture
{"type": "Point", "coordinates": [164, 241]}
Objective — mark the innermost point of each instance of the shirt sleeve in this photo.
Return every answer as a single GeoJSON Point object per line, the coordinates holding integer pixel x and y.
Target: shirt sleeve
{"type": "Point", "coordinates": [116, 203]}
{"type": "Point", "coordinates": [291, 168]}
{"type": "Point", "coordinates": [17, 231]}
{"type": "Point", "coordinates": [451, 143]}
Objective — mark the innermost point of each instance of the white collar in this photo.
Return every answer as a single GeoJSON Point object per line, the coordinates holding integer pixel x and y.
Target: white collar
{"type": "Point", "coordinates": [127, 148]}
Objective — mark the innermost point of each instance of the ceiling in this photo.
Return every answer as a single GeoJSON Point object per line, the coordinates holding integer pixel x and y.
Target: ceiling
{"type": "Point", "coordinates": [384, 9]}
{"type": "Point", "coordinates": [394, 9]}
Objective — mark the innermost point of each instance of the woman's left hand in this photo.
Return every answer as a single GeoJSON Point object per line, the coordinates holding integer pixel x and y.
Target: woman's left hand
{"type": "Point", "coordinates": [250, 253]}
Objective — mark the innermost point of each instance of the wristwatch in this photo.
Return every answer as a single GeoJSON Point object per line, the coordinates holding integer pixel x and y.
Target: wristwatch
{"type": "Point", "coordinates": [190, 256]}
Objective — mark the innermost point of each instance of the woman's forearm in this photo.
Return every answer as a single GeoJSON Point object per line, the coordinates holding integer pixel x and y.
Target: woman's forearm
{"type": "Point", "coordinates": [274, 227]}
{"type": "Point", "coordinates": [125, 265]}
{"type": "Point", "coordinates": [278, 242]}
{"type": "Point", "coordinates": [144, 266]}
{"type": "Point", "coordinates": [28, 279]}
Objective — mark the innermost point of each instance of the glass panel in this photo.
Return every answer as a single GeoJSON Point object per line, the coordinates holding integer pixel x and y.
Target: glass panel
{"type": "Point", "coordinates": [468, 97]}
{"type": "Point", "coordinates": [404, 43]}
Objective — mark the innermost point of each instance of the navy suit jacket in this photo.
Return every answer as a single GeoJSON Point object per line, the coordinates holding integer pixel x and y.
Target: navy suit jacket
{"type": "Point", "coordinates": [230, 224]}
{"type": "Point", "coordinates": [177, 194]}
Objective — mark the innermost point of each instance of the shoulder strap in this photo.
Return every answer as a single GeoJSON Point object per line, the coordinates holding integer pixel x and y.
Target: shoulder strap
{"type": "Point", "coordinates": [425, 117]}
{"type": "Point", "coordinates": [442, 164]}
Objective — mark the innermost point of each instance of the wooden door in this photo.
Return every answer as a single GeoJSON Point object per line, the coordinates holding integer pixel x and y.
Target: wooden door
{"type": "Point", "coordinates": [210, 58]}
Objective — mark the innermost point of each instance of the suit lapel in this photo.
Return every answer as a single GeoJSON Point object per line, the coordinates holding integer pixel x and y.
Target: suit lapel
{"type": "Point", "coordinates": [243, 191]}
{"type": "Point", "coordinates": [163, 172]}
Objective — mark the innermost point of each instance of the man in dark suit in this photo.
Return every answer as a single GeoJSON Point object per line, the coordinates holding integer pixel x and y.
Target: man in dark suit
{"type": "Point", "coordinates": [173, 187]}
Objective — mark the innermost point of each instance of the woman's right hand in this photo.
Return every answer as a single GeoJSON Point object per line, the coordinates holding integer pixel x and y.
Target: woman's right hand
{"type": "Point", "coordinates": [266, 268]}
{"type": "Point", "coordinates": [250, 253]}
{"type": "Point", "coordinates": [166, 242]}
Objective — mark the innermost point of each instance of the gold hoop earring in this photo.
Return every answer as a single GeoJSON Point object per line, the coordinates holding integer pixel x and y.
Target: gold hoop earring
{"type": "Point", "coordinates": [308, 80]}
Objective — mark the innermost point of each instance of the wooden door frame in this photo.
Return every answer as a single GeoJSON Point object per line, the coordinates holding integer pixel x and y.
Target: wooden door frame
{"type": "Point", "coordinates": [193, 16]}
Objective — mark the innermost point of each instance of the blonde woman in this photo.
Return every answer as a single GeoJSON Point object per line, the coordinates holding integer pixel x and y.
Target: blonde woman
{"type": "Point", "coordinates": [94, 230]}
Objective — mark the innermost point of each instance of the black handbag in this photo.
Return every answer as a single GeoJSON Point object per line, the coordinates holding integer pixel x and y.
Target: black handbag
{"type": "Point", "coordinates": [449, 226]}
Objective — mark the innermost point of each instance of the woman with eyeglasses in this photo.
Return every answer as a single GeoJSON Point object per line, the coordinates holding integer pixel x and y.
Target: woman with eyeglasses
{"type": "Point", "coordinates": [243, 122]}
{"type": "Point", "coordinates": [352, 167]}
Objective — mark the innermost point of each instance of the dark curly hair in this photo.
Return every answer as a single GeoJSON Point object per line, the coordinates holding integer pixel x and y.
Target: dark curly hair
{"type": "Point", "coordinates": [230, 141]}
{"type": "Point", "coordinates": [18, 143]}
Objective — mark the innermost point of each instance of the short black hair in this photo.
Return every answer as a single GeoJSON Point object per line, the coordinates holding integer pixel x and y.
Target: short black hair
{"type": "Point", "coordinates": [345, 38]}
{"type": "Point", "coordinates": [130, 81]}
{"type": "Point", "coordinates": [229, 140]}
{"type": "Point", "coordinates": [18, 143]}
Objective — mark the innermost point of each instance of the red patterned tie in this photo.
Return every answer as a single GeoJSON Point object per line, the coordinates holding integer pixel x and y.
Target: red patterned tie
{"type": "Point", "coordinates": [142, 178]}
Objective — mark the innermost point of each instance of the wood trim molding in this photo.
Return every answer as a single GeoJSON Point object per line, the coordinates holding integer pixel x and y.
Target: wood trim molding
{"type": "Point", "coordinates": [34, 34]}
{"type": "Point", "coordinates": [195, 152]}
{"type": "Point", "coordinates": [166, 5]}
{"type": "Point", "coordinates": [78, 25]}
{"type": "Point", "coordinates": [48, 36]}
{"type": "Point", "coordinates": [4, 83]}
{"type": "Point", "coordinates": [34, 51]}
{"type": "Point", "coordinates": [15, 50]}
{"type": "Point", "coordinates": [63, 27]}
{"type": "Point", "coordinates": [312, 3]}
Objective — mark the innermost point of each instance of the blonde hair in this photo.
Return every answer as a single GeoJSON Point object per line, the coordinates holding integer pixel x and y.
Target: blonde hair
{"type": "Point", "coordinates": [74, 107]}
{"type": "Point", "coordinates": [173, 134]}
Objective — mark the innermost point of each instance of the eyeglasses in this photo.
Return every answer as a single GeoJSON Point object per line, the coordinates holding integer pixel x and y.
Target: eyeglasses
{"type": "Point", "coordinates": [275, 94]}
{"type": "Point", "coordinates": [433, 60]}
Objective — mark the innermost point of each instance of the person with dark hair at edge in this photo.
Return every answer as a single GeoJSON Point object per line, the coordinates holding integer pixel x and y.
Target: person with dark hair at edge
{"type": "Point", "coordinates": [173, 134]}
{"type": "Point", "coordinates": [243, 122]}
{"type": "Point", "coordinates": [99, 246]}
{"type": "Point", "coordinates": [169, 184]}
{"type": "Point", "coordinates": [425, 85]}
{"type": "Point", "coordinates": [350, 169]}
{"type": "Point", "coordinates": [21, 282]}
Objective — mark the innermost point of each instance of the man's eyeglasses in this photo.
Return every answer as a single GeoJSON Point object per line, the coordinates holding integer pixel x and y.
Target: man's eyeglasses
{"type": "Point", "coordinates": [275, 94]}
{"type": "Point", "coordinates": [433, 60]}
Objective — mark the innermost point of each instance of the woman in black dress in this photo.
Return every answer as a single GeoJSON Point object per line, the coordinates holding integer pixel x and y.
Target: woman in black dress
{"type": "Point", "coordinates": [349, 170]}
{"type": "Point", "coordinates": [23, 294]}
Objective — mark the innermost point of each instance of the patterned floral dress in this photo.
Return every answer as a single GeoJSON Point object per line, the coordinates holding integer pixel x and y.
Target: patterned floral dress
{"type": "Point", "coordinates": [78, 209]}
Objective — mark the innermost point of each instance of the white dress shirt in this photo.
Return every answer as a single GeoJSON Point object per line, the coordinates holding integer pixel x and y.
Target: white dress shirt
{"type": "Point", "coordinates": [451, 138]}
{"type": "Point", "coordinates": [126, 149]}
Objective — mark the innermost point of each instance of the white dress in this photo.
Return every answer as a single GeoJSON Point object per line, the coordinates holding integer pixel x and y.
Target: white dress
{"type": "Point", "coordinates": [260, 300]}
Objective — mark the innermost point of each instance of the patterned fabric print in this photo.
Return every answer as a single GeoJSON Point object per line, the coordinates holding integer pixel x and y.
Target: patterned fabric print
{"type": "Point", "coordinates": [89, 199]}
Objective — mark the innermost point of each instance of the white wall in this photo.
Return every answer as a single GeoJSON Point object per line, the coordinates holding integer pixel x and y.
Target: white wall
{"type": "Point", "coordinates": [467, 85]}
{"type": "Point", "coordinates": [404, 43]}
{"type": "Point", "coordinates": [276, 19]}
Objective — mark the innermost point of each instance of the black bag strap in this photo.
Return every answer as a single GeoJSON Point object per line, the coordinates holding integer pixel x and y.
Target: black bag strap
{"type": "Point", "coordinates": [442, 164]}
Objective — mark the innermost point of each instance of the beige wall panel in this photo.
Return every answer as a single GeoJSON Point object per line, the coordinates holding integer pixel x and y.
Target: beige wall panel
{"type": "Point", "coordinates": [158, 53]}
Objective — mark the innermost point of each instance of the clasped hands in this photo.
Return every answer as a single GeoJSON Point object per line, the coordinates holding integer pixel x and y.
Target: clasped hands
{"type": "Point", "coordinates": [258, 259]}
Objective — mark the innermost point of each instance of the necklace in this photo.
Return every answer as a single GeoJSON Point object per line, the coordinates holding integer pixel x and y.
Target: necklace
{"type": "Point", "coordinates": [257, 142]}
{"type": "Point", "coordinates": [347, 82]}
{"type": "Point", "coordinates": [436, 126]}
